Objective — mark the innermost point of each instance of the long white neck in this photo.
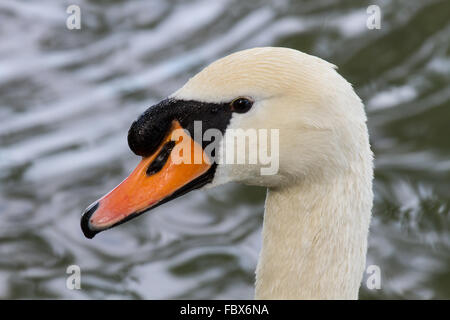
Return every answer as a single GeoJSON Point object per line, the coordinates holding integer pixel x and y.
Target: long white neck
{"type": "Point", "coordinates": [315, 238]}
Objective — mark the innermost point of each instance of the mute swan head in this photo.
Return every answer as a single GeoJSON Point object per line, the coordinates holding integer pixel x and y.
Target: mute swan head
{"type": "Point", "coordinates": [318, 121]}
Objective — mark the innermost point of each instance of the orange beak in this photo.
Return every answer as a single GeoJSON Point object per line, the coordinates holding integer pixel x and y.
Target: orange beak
{"type": "Point", "coordinates": [173, 169]}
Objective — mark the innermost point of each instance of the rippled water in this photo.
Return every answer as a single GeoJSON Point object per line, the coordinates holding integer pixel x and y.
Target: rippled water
{"type": "Point", "coordinates": [67, 99]}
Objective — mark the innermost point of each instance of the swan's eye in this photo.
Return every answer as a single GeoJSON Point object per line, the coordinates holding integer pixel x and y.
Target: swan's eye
{"type": "Point", "coordinates": [241, 105]}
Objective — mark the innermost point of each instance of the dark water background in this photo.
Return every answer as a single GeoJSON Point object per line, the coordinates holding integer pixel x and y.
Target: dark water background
{"type": "Point", "coordinates": [67, 99]}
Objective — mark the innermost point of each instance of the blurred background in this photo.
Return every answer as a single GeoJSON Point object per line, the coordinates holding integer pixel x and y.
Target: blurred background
{"type": "Point", "coordinates": [68, 97]}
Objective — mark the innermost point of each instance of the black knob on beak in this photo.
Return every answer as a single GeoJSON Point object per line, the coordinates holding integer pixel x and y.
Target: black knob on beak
{"type": "Point", "coordinates": [148, 131]}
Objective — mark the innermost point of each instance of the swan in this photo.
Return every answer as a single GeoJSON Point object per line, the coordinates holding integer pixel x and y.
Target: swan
{"type": "Point", "coordinates": [319, 200]}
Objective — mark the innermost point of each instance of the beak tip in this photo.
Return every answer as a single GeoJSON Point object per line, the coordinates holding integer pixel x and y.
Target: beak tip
{"type": "Point", "coordinates": [85, 224]}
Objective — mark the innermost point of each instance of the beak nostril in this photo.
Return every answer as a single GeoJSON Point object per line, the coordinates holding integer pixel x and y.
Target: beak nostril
{"type": "Point", "coordinates": [158, 163]}
{"type": "Point", "coordinates": [86, 219]}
